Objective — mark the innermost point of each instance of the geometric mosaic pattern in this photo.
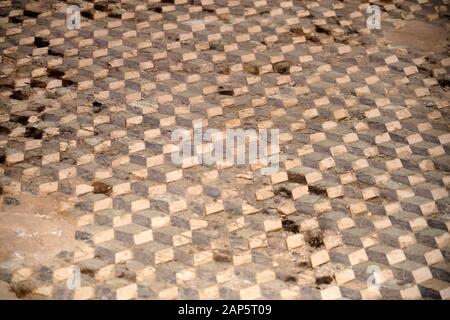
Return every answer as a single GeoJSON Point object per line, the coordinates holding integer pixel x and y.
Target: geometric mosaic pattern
{"type": "Point", "coordinates": [364, 148]}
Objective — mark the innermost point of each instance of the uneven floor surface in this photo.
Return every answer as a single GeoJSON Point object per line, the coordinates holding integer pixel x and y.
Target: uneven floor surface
{"type": "Point", "coordinates": [93, 207]}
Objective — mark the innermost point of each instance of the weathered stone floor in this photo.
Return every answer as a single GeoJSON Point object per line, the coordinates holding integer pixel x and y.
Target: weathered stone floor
{"type": "Point", "coordinates": [359, 208]}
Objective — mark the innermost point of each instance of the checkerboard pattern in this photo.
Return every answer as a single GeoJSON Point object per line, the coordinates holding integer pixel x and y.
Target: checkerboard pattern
{"type": "Point", "coordinates": [364, 148]}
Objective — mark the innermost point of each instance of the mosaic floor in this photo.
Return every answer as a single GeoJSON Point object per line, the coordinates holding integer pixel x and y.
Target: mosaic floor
{"type": "Point", "coordinates": [358, 210]}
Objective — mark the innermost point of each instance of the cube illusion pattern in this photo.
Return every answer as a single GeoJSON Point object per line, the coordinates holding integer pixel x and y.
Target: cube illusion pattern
{"type": "Point", "coordinates": [364, 148]}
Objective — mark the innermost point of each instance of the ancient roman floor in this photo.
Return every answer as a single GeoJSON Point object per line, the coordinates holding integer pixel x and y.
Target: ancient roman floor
{"type": "Point", "coordinates": [359, 208]}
